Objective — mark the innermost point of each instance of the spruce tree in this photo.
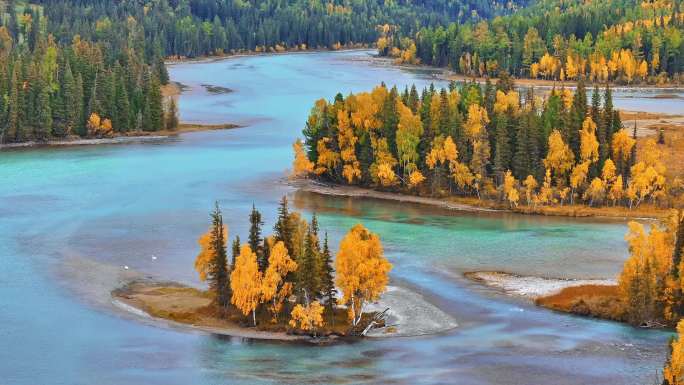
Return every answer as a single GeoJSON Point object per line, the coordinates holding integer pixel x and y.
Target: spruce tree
{"type": "Point", "coordinates": [123, 112]}
{"type": "Point", "coordinates": [172, 116]}
{"type": "Point", "coordinates": [607, 118]}
{"type": "Point", "coordinates": [79, 118]}
{"type": "Point", "coordinates": [327, 282]}
{"type": "Point", "coordinates": [254, 239]}
{"type": "Point", "coordinates": [282, 230]}
{"type": "Point", "coordinates": [578, 112]}
{"type": "Point", "coordinates": [679, 244]}
{"type": "Point", "coordinates": [235, 251]}
{"type": "Point", "coordinates": [502, 146]}
{"type": "Point", "coordinates": [43, 112]}
{"type": "Point", "coordinates": [219, 280]}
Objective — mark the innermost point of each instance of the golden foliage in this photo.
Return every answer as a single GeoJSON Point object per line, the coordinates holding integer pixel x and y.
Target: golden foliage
{"type": "Point", "coordinates": [361, 270]}
{"type": "Point", "coordinates": [589, 145]}
{"type": "Point", "coordinates": [560, 158]}
{"type": "Point", "coordinates": [245, 282]}
{"type": "Point", "coordinates": [307, 318]}
{"type": "Point", "coordinates": [415, 178]}
{"type": "Point", "coordinates": [673, 373]}
{"type": "Point", "coordinates": [274, 289]}
{"type": "Point", "coordinates": [622, 145]}
{"type": "Point", "coordinates": [301, 166]}
{"type": "Point", "coordinates": [509, 189]}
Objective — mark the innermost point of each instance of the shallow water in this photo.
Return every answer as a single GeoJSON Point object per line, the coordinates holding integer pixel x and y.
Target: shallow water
{"type": "Point", "coordinates": [122, 204]}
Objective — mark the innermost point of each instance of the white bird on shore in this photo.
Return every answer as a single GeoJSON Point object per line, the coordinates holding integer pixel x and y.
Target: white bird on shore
{"type": "Point", "coordinates": [125, 267]}
{"type": "Point", "coordinates": [154, 258]}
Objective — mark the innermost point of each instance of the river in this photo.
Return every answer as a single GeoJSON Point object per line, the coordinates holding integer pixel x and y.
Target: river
{"type": "Point", "coordinates": [143, 206]}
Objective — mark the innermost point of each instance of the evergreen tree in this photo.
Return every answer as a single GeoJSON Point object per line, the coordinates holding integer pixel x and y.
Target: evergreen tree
{"type": "Point", "coordinates": [218, 276]}
{"type": "Point", "coordinates": [43, 112]}
{"type": "Point", "coordinates": [254, 240]}
{"type": "Point", "coordinates": [327, 282]}
{"type": "Point", "coordinates": [235, 251]}
{"type": "Point", "coordinates": [607, 118]}
{"type": "Point", "coordinates": [282, 230]}
{"type": "Point", "coordinates": [578, 113]}
{"type": "Point", "coordinates": [502, 147]}
{"type": "Point", "coordinates": [123, 112]}
{"type": "Point", "coordinates": [172, 115]}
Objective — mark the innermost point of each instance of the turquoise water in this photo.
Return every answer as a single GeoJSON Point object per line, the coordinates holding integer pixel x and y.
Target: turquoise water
{"type": "Point", "coordinates": [122, 204]}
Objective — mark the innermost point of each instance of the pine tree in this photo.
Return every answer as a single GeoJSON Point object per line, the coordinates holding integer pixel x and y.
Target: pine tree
{"type": "Point", "coordinates": [13, 108]}
{"type": "Point", "coordinates": [597, 117]}
{"type": "Point", "coordinates": [282, 230]}
{"type": "Point", "coordinates": [218, 278]}
{"type": "Point", "coordinates": [172, 115]}
{"type": "Point", "coordinates": [502, 147]}
{"type": "Point", "coordinates": [413, 100]}
{"type": "Point", "coordinates": [307, 286]}
{"type": "Point", "coordinates": [235, 251]}
{"type": "Point", "coordinates": [390, 119]}
{"type": "Point", "coordinates": [521, 158]}
{"type": "Point", "coordinates": [43, 112]}
{"type": "Point", "coordinates": [254, 240]}
{"type": "Point", "coordinates": [578, 113]}
{"type": "Point", "coordinates": [122, 123]}
{"type": "Point", "coordinates": [78, 106]}
{"type": "Point", "coordinates": [607, 118]}
{"type": "Point", "coordinates": [327, 281]}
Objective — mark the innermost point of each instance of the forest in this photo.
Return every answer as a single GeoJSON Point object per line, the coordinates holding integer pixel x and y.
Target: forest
{"type": "Point", "coordinates": [190, 28]}
{"type": "Point", "coordinates": [489, 142]}
{"type": "Point", "coordinates": [622, 41]}
{"type": "Point", "coordinates": [288, 280]}
{"type": "Point", "coordinates": [76, 87]}
{"type": "Point", "coordinates": [93, 68]}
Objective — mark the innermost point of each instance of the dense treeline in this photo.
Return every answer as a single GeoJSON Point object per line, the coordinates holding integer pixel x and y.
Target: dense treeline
{"type": "Point", "coordinates": [79, 87]}
{"type": "Point", "coordinates": [619, 40]}
{"type": "Point", "coordinates": [291, 272]}
{"type": "Point", "coordinates": [205, 27]}
{"type": "Point", "coordinates": [484, 141]}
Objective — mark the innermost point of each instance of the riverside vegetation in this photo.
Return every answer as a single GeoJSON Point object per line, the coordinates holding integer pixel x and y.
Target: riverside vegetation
{"type": "Point", "coordinates": [491, 144]}
{"type": "Point", "coordinates": [93, 68]}
{"type": "Point", "coordinates": [624, 41]}
{"type": "Point", "coordinates": [284, 282]}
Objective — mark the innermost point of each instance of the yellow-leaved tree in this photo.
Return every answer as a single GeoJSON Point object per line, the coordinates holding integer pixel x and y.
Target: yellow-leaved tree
{"type": "Point", "coordinates": [530, 185]}
{"type": "Point", "coordinates": [643, 278]}
{"type": "Point", "coordinates": [274, 289]}
{"type": "Point", "coordinates": [307, 318]}
{"type": "Point", "coordinates": [245, 282]}
{"type": "Point", "coordinates": [509, 189]}
{"type": "Point", "coordinates": [361, 270]}
{"type": "Point", "coordinates": [673, 373]}
{"type": "Point", "coordinates": [301, 166]}
{"type": "Point", "coordinates": [559, 159]}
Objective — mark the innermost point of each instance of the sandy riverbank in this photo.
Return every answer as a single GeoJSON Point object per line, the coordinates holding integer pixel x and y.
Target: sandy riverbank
{"type": "Point", "coordinates": [530, 287]}
{"type": "Point", "coordinates": [129, 138]}
{"type": "Point", "coordinates": [409, 313]}
{"type": "Point", "coordinates": [473, 204]}
{"type": "Point", "coordinates": [312, 186]}
{"type": "Point", "coordinates": [101, 285]}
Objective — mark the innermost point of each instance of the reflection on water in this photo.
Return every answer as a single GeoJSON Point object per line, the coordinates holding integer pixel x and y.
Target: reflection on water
{"type": "Point", "coordinates": [121, 205]}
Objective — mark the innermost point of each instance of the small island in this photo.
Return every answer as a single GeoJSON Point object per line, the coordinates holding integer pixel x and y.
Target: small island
{"type": "Point", "coordinates": [281, 286]}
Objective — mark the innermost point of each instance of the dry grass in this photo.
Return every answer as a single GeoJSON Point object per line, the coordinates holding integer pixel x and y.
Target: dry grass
{"type": "Point", "coordinates": [195, 307]}
{"type": "Point", "coordinates": [643, 211]}
{"type": "Point", "coordinates": [600, 301]}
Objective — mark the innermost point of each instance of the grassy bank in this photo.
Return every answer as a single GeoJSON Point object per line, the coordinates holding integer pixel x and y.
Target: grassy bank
{"type": "Point", "coordinates": [195, 308]}
{"type": "Point", "coordinates": [598, 301]}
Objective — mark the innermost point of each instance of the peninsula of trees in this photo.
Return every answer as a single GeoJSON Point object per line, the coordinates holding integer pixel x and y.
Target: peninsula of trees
{"type": "Point", "coordinates": [288, 281]}
{"type": "Point", "coordinates": [54, 83]}
{"type": "Point", "coordinates": [623, 41]}
{"type": "Point", "coordinates": [490, 143]}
